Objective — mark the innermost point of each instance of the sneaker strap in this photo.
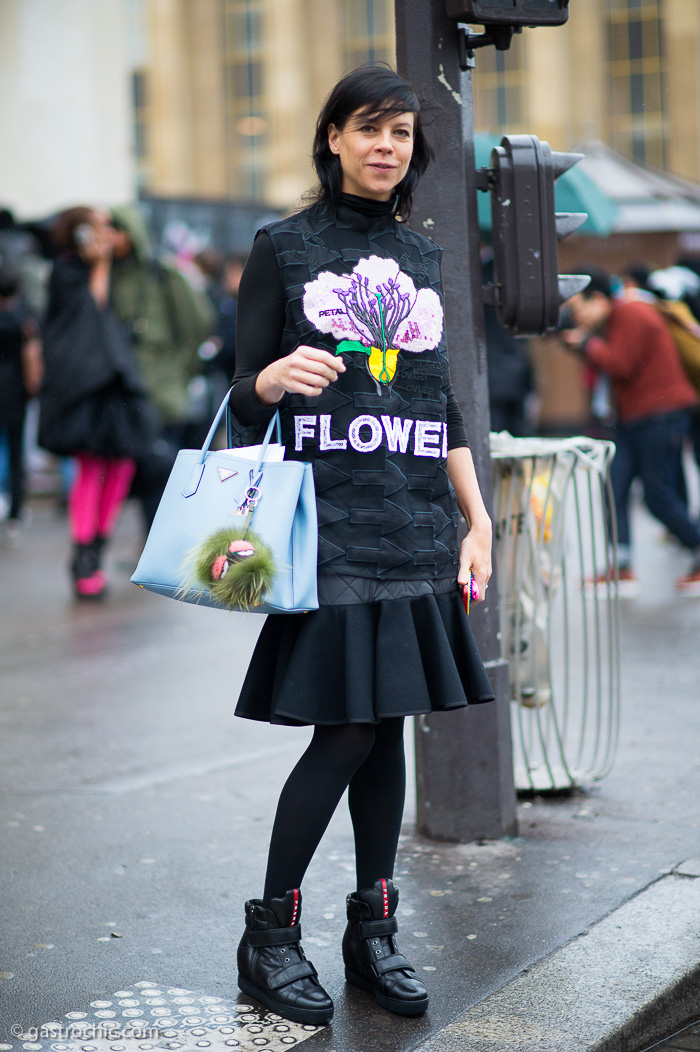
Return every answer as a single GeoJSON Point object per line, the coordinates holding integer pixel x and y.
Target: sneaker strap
{"type": "Point", "coordinates": [273, 936]}
{"type": "Point", "coordinates": [372, 928]}
{"type": "Point", "coordinates": [290, 973]}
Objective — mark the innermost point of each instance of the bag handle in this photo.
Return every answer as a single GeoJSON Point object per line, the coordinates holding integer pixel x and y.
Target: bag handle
{"type": "Point", "coordinates": [266, 440]}
{"type": "Point", "coordinates": [224, 408]}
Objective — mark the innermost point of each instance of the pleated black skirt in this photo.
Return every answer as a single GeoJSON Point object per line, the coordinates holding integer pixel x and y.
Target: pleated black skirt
{"type": "Point", "coordinates": [364, 662]}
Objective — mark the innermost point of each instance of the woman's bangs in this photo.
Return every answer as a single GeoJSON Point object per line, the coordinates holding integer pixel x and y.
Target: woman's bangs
{"type": "Point", "coordinates": [382, 107]}
{"type": "Point", "coordinates": [391, 108]}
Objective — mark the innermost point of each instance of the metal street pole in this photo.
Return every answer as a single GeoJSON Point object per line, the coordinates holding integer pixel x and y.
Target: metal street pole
{"type": "Point", "coordinates": [463, 759]}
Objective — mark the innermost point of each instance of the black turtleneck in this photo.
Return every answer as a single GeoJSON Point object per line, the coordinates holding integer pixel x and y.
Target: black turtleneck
{"type": "Point", "coordinates": [260, 315]}
{"type": "Point", "coordinates": [350, 203]}
{"type": "Point", "coordinates": [367, 204]}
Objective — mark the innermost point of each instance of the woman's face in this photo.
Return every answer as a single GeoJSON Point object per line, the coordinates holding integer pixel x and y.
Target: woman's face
{"type": "Point", "coordinates": [374, 154]}
{"type": "Point", "coordinates": [118, 239]}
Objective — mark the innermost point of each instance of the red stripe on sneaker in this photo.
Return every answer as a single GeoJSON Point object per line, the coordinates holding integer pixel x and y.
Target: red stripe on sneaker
{"type": "Point", "coordinates": [295, 911]}
{"type": "Point", "coordinates": [385, 893]}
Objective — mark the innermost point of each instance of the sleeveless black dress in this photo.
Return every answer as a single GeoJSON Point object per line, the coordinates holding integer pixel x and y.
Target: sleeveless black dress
{"type": "Point", "coordinates": [391, 637]}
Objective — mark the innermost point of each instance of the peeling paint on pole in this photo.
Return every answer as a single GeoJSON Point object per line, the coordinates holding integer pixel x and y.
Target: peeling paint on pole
{"type": "Point", "coordinates": [443, 80]}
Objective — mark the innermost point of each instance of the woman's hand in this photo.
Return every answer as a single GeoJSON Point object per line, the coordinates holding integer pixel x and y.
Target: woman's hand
{"type": "Point", "coordinates": [95, 243]}
{"type": "Point", "coordinates": [475, 558]}
{"type": "Point", "coordinates": [573, 339]}
{"type": "Point", "coordinates": [307, 371]}
{"type": "Point", "coordinates": [475, 551]}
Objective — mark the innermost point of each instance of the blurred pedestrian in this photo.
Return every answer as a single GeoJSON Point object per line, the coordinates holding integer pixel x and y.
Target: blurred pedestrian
{"type": "Point", "coordinates": [209, 264]}
{"type": "Point", "coordinates": [632, 285]}
{"type": "Point", "coordinates": [167, 320]}
{"type": "Point", "coordinates": [20, 375]}
{"type": "Point", "coordinates": [340, 326]}
{"type": "Point", "coordinates": [93, 401]}
{"type": "Point", "coordinates": [676, 297]}
{"type": "Point", "coordinates": [233, 271]}
{"type": "Point", "coordinates": [218, 353]}
{"type": "Point", "coordinates": [509, 371]}
{"type": "Point", "coordinates": [677, 284]}
{"type": "Point", "coordinates": [21, 254]}
{"type": "Point", "coordinates": [628, 340]}
{"type": "Point", "coordinates": [635, 284]}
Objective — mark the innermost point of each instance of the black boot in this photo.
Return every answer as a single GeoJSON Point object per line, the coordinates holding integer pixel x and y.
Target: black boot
{"type": "Point", "coordinates": [272, 966]}
{"type": "Point", "coordinates": [372, 959]}
{"type": "Point", "coordinates": [88, 580]}
{"type": "Point", "coordinates": [99, 544]}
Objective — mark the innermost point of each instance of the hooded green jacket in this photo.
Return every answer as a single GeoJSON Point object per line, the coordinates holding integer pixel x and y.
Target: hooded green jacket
{"type": "Point", "coordinates": [168, 318]}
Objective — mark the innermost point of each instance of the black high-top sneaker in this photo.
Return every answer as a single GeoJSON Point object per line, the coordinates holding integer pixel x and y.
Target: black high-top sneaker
{"type": "Point", "coordinates": [372, 959]}
{"type": "Point", "coordinates": [272, 966]}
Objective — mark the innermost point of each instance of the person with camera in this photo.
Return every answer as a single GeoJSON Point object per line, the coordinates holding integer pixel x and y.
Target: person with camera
{"type": "Point", "coordinates": [93, 403]}
{"type": "Point", "coordinates": [628, 340]}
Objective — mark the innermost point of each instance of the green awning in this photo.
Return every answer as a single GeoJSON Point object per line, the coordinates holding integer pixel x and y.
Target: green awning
{"type": "Point", "coordinates": [574, 192]}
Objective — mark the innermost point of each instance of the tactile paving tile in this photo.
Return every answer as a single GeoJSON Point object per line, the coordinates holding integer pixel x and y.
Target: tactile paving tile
{"type": "Point", "coordinates": [149, 1016]}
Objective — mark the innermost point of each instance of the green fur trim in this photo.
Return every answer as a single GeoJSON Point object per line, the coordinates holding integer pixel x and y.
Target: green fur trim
{"type": "Point", "coordinates": [247, 581]}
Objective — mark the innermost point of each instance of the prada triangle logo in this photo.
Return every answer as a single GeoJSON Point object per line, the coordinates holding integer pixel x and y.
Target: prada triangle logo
{"type": "Point", "coordinates": [225, 474]}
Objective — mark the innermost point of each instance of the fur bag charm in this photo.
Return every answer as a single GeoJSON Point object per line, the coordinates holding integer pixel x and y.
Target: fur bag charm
{"type": "Point", "coordinates": [237, 567]}
{"type": "Point", "coordinates": [236, 529]}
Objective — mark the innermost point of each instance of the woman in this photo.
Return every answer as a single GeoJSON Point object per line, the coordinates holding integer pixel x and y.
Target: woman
{"type": "Point", "coordinates": [340, 326]}
{"type": "Point", "coordinates": [92, 403]}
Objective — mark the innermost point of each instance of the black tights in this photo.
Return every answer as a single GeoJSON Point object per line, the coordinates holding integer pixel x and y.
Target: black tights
{"type": "Point", "coordinates": [368, 760]}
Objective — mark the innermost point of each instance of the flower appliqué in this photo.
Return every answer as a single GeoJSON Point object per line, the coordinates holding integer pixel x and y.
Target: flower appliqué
{"type": "Point", "coordinates": [375, 310]}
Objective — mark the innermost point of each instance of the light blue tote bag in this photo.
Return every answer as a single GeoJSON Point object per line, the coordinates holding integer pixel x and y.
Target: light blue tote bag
{"type": "Point", "coordinates": [210, 491]}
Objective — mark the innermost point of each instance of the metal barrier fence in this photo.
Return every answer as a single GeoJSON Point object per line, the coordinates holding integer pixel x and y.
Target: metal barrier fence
{"type": "Point", "coordinates": [557, 582]}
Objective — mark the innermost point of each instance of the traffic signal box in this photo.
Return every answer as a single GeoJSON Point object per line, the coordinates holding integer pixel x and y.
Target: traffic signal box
{"type": "Point", "coordinates": [528, 291]}
{"type": "Point", "coordinates": [510, 12]}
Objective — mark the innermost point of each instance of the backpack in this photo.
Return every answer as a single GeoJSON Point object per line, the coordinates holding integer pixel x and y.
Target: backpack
{"type": "Point", "coordinates": [685, 332]}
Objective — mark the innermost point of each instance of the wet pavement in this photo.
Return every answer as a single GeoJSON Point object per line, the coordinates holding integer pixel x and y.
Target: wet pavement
{"type": "Point", "coordinates": [136, 809]}
{"type": "Point", "coordinates": [686, 1040]}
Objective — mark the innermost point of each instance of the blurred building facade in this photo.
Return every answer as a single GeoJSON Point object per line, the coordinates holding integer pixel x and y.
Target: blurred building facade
{"type": "Point", "coordinates": [230, 90]}
{"type": "Point", "coordinates": [215, 101]}
{"type": "Point", "coordinates": [625, 72]}
{"type": "Point", "coordinates": [217, 98]}
{"type": "Point", "coordinates": [66, 120]}
{"type": "Point", "coordinates": [232, 87]}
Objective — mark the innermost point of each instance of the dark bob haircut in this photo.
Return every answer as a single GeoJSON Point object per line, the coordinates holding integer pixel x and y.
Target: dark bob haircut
{"type": "Point", "coordinates": [377, 92]}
